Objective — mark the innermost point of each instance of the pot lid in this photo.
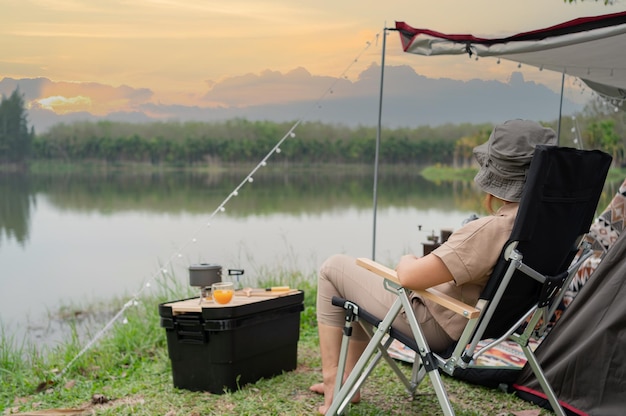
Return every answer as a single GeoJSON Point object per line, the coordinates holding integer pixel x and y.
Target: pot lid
{"type": "Point", "coordinates": [205, 266]}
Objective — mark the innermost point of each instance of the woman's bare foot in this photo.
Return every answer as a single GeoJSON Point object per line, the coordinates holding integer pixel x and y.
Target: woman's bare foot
{"type": "Point", "coordinates": [319, 389]}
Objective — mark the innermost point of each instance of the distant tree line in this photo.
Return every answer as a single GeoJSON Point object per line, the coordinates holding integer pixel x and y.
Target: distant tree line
{"type": "Point", "coordinates": [241, 141]}
{"type": "Point", "coordinates": [15, 137]}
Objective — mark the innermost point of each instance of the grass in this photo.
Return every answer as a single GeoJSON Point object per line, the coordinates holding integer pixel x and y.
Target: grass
{"type": "Point", "coordinates": [441, 173]}
{"type": "Point", "coordinates": [127, 372]}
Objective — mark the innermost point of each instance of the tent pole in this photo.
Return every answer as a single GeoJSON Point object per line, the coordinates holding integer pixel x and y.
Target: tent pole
{"type": "Point", "coordinates": [558, 130]}
{"type": "Point", "coordinates": [378, 130]}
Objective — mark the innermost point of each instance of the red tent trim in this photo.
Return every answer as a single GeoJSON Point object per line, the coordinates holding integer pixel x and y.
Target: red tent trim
{"type": "Point", "coordinates": [581, 24]}
{"type": "Point", "coordinates": [590, 48]}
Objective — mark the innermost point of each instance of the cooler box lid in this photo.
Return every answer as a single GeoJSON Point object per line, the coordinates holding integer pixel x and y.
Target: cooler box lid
{"type": "Point", "coordinates": [240, 306]}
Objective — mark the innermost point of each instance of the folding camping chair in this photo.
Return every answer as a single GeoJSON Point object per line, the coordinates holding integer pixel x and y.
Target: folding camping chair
{"type": "Point", "coordinates": [559, 201]}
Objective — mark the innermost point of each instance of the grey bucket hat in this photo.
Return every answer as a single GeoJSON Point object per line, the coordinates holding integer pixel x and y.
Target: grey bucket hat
{"type": "Point", "coordinates": [505, 158]}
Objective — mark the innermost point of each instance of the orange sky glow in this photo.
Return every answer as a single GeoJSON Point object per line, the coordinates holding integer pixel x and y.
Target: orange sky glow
{"type": "Point", "coordinates": [175, 51]}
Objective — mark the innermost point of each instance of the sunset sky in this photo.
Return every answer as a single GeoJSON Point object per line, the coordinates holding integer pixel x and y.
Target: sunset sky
{"type": "Point", "coordinates": [106, 54]}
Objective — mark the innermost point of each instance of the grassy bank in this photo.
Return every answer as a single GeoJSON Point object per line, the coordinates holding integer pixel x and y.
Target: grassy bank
{"type": "Point", "coordinates": [439, 173]}
{"type": "Point", "coordinates": [127, 372]}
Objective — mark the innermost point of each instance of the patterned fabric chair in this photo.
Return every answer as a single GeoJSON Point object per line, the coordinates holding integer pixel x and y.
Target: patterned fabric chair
{"type": "Point", "coordinates": [602, 235]}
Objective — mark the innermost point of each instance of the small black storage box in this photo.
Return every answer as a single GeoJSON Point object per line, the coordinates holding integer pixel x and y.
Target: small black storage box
{"type": "Point", "coordinates": [222, 347]}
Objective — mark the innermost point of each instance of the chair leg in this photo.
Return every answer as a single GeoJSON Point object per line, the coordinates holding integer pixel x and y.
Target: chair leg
{"type": "Point", "coordinates": [416, 376]}
{"type": "Point", "coordinates": [358, 375]}
{"type": "Point", "coordinates": [543, 381]}
{"type": "Point", "coordinates": [440, 390]}
{"type": "Point", "coordinates": [429, 362]}
{"type": "Point", "coordinates": [351, 312]}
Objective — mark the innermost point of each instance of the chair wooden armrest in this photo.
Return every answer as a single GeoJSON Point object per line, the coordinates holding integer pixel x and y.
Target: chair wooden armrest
{"type": "Point", "coordinates": [431, 294]}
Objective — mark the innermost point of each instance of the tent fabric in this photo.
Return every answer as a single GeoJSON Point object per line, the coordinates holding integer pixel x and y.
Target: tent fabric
{"type": "Point", "coordinates": [590, 48]}
{"type": "Point", "coordinates": [584, 356]}
{"type": "Point", "coordinates": [602, 235]}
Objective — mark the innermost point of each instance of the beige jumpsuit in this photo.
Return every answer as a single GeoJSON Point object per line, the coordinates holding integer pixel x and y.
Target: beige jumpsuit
{"type": "Point", "coordinates": [470, 254]}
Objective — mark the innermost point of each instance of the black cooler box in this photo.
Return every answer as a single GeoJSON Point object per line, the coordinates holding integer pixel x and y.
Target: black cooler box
{"type": "Point", "coordinates": [222, 347]}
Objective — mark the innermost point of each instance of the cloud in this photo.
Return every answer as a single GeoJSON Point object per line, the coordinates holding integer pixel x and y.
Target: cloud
{"type": "Point", "coordinates": [64, 97]}
{"type": "Point", "coordinates": [63, 105]}
{"type": "Point", "coordinates": [268, 87]}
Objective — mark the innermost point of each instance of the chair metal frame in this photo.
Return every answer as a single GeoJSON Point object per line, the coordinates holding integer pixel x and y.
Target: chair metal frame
{"type": "Point", "coordinates": [532, 323]}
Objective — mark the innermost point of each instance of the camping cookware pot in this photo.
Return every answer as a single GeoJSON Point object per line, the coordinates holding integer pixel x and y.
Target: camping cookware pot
{"type": "Point", "coordinates": [204, 274]}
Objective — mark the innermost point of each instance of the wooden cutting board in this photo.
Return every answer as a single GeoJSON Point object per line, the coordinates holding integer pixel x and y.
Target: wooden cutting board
{"type": "Point", "coordinates": [240, 298]}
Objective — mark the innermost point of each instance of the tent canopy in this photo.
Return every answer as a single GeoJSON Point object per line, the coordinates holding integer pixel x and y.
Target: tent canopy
{"type": "Point", "coordinates": [590, 48]}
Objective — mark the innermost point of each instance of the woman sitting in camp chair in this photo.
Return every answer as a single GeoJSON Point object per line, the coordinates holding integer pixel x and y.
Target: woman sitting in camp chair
{"type": "Point", "coordinates": [459, 268]}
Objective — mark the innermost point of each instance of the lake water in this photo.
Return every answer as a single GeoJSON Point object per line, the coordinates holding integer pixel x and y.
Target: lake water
{"type": "Point", "coordinates": [76, 239]}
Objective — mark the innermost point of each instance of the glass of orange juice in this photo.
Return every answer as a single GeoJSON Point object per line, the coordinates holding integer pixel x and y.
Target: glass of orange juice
{"type": "Point", "coordinates": [223, 292]}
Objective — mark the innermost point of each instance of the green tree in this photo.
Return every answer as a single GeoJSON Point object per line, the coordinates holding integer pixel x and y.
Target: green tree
{"type": "Point", "coordinates": [15, 138]}
{"type": "Point", "coordinates": [464, 147]}
{"type": "Point", "coordinates": [603, 126]}
{"type": "Point", "coordinates": [602, 133]}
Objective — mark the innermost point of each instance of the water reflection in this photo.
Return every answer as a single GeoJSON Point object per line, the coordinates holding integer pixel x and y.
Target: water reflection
{"type": "Point", "coordinates": [312, 190]}
{"type": "Point", "coordinates": [293, 191]}
{"type": "Point", "coordinates": [16, 200]}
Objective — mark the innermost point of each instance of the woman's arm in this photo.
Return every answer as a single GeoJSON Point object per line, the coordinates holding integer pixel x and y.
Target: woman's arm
{"type": "Point", "coordinates": [419, 273]}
